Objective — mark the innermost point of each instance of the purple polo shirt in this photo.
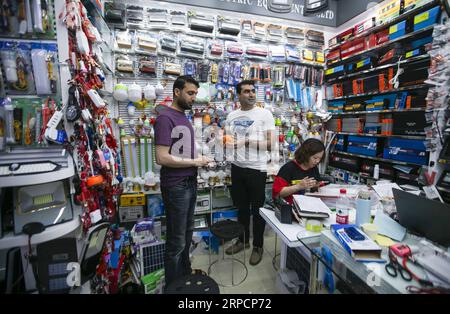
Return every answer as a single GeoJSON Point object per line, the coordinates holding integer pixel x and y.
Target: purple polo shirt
{"type": "Point", "coordinates": [173, 129]}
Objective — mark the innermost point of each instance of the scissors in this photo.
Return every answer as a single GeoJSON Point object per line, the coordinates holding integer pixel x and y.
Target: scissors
{"type": "Point", "coordinates": [394, 267]}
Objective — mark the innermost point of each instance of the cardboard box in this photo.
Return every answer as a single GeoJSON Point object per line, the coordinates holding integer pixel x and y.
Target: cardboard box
{"type": "Point", "coordinates": [365, 250]}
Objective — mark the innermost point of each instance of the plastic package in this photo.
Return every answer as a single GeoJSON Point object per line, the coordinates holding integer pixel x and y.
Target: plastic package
{"type": "Point", "coordinates": [135, 16]}
{"type": "Point", "coordinates": [258, 52]}
{"type": "Point", "coordinates": [190, 68]}
{"type": "Point", "coordinates": [134, 92]}
{"type": "Point", "coordinates": [247, 28]}
{"type": "Point", "coordinates": [157, 18]}
{"type": "Point", "coordinates": [146, 43]}
{"type": "Point", "coordinates": [124, 64]}
{"type": "Point", "coordinates": [293, 54]}
{"type": "Point", "coordinates": [234, 50]}
{"type": "Point", "coordinates": [16, 60]}
{"type": "Point", "coordinates": [120, 92]}
{"type": "Point", "coordinates": [201, 23]}
{"type": "Point", "coordinates": [228, 28]}
{"type": "Point", "coordinates": [167, 44]}
{"type": "Point", "coordinates": [39, 59]}
{"type": "Point", "coordinates": [274, 32]}
{"type": "Point", "coordinates": [259, 30]}
{"type": "Point", "coordinates": [178, 21]}
{"type": "Point", "coordinates": [171, 68]}
{"type": "Point", "coordinates": [123, 40]}
{"type": "Point", "coordinates": [294, 35]}
{"type": "Point", "coordinates": [147, 65]}
{"type": "Point", "coordinates": [192, 47]}
{"type": "Point", "coordinates": [215, 49]}
{"type": "Point", "coordinates": [277, 53]}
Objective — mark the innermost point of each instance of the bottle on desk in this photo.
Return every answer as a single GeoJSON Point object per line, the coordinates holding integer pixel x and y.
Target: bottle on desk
{"type": "Point", "coordinates": [363, 208]}
{"type": "Point", "coordinates": [342, 207]}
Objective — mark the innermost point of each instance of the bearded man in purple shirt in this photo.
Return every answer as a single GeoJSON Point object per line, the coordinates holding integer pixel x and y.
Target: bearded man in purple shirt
{"type": "Point", "coordinates": [176, 153]}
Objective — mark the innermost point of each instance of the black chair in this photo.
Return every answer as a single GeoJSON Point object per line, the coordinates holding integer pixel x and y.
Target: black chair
{"type": "Point", "coordinates": [193, 284]}
{"type": "Point", "coordinates": [227, 230]}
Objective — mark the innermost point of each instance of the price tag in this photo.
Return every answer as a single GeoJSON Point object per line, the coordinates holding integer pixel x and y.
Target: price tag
{"type": "Point", "coordinates": [360, 64]}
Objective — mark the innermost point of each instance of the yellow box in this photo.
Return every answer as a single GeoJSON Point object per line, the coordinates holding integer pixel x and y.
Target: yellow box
{"type": "Point", "coordinates": [132, 199]}
{"type": "Point", "coordinates": [389, 11]}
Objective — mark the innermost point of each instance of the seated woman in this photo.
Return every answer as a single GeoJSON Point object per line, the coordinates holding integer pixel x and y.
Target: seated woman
{"type": "Point", "coordinates": [301, 173]}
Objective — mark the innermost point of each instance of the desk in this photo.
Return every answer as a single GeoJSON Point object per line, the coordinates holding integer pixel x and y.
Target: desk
{"type": "Point", "coordinates": [289, 234]}
{"type": "Point", "coordinates": [372, 274]}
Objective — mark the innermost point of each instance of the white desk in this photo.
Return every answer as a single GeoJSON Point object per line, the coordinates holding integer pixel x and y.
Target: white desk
{"type": "Point", "coordinates": [288, 234]}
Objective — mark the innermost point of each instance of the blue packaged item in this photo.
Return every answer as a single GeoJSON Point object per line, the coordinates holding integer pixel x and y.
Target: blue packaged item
{"type": "Point", "coordinates": [155, 206]}
{"type": "Point", "coordinates": [412, 53]}
{"type": "Point", "coordinates": [336, 106]}
{"type": "Point", "coordinates": [390, 99]}
{"type": "Point", "coordinates": [421, 42]}
{"type": "Point", "coordinates": [335, 71]}
{"type": "Point", "coordinates": [397, 30]}
{"type": "Point", "coordinates": [340, 144]}
{"type": "Point", "coordinates": [426, 18]}
{"type": "Point", "coordinates": [362, 145]}
{"type": "Point", "coordinates": [412, 151]}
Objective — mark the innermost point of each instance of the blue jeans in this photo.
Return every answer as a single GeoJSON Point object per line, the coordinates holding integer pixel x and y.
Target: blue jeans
{"type": "Point", "coordinates": [179, 204]}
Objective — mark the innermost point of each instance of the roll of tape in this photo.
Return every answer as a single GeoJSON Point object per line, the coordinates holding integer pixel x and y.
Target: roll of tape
{"type": "Point", "coordinates": [313, 225]}
{"type": "Point", "coordinates": [371, 230]}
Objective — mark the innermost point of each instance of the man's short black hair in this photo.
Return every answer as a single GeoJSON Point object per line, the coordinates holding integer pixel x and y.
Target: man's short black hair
{"type": "Point", "coordinates": [244, 82]}
{"type": "Point", "coordinates": [181, 81]}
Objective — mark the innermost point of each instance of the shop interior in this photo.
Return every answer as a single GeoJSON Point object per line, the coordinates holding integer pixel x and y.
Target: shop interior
{"type": "Point", "coordinates": [82, 83]}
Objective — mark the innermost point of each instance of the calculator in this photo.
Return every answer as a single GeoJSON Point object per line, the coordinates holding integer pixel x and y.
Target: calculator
{"type": "Point", "coordinates": [354, 234]}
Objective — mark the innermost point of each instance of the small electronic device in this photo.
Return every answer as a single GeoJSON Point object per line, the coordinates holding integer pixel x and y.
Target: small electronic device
{"type": "Point", "coordinates": [354, 234]}
{"type": "Point", "coordinates": [280, 6]}
{"type": "Point", "coordinates": [132, 199]}
{"type": "Point", "coordinates": [313, 6]}
{"type": "Point", "coordinates": [48, 203]}
{"type": "Point", "coordinates": [401, 250]}
{"type": "Point", "coordinates": [283, 211]}
{"type": "Point", "coordinates": [130, 213]}
{"type": "Point", "coordinates": [52, 258]}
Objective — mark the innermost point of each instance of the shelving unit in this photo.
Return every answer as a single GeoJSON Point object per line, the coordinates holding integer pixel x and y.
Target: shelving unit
{"type": "Point", "coordinates": [376, 111]}
{"type": "Point", "coordinates": [401, 89]}
{"type": "Point", "coordinates": [415, 34]}
{"type": "Point", "coordinates": [376, 158]}
{"type": "Point", "coordinates": [374, 69]}
{"type": "Point", "coordinates": [391, 22]}
{"type": "Point", "coordinates": [411, 137]}
{"type": "Point", "coordinates": [10, 240]}
{"type": "Point", "coordinates": [22, 155]}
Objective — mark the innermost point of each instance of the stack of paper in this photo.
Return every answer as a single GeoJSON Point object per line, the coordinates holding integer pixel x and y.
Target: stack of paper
{"type": "Point", "coordinates": [384, 190]}
{"type": "Point", "coordinates": [333, 191]}
{"type": "Point", "coordinates": [311, 207]}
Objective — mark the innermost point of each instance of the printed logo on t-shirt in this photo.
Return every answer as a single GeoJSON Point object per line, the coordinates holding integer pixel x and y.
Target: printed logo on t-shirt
{"type": "Point", "coordinates": [241, 125]}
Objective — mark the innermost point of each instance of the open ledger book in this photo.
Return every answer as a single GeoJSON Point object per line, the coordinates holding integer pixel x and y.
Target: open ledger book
{"type": "Point", "coordinates": [310, 207]}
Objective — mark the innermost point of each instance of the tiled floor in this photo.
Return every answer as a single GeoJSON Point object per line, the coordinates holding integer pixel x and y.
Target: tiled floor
{"type": "Point", "coordinates": [261, 278]}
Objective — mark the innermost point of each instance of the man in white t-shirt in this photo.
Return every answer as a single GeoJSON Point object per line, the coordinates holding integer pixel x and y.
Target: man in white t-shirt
{"type": "Point", "coordinates": [253, 131]}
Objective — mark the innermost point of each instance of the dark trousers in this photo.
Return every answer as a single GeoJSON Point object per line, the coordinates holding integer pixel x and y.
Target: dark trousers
{"type": "Point", "coordinates": [248, 193]}
{"type": "Point", "coordinates": [179, 204]}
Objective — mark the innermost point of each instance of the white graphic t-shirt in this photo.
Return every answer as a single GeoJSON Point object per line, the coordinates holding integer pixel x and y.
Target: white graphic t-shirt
{"type": "Point", "coordinates": [250, 125]}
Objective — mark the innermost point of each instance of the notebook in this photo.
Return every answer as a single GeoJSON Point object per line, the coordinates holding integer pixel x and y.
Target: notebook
{"type": "Point", "coordinates": [310, 207]}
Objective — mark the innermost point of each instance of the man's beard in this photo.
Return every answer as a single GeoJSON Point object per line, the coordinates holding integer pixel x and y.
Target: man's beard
{"type": "Point", "coordinates": [184, 104]}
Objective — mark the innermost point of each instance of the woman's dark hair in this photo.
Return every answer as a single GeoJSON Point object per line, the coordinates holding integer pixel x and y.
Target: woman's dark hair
{"type": "Point", "coordinates": [309, 148]}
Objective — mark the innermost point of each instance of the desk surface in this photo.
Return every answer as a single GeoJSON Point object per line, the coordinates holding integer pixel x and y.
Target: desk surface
{"type": "Point", "coordinates": [288, 232]}
{"type": "Point", "coordinates": [373, 274]}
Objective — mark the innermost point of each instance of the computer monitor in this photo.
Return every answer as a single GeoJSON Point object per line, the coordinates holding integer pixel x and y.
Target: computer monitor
{"type": "Point", "coordinates": [425, 217]}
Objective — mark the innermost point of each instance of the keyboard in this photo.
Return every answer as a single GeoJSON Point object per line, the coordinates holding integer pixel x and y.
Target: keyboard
{"type": "Point", "coordinates": [27, 168]}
